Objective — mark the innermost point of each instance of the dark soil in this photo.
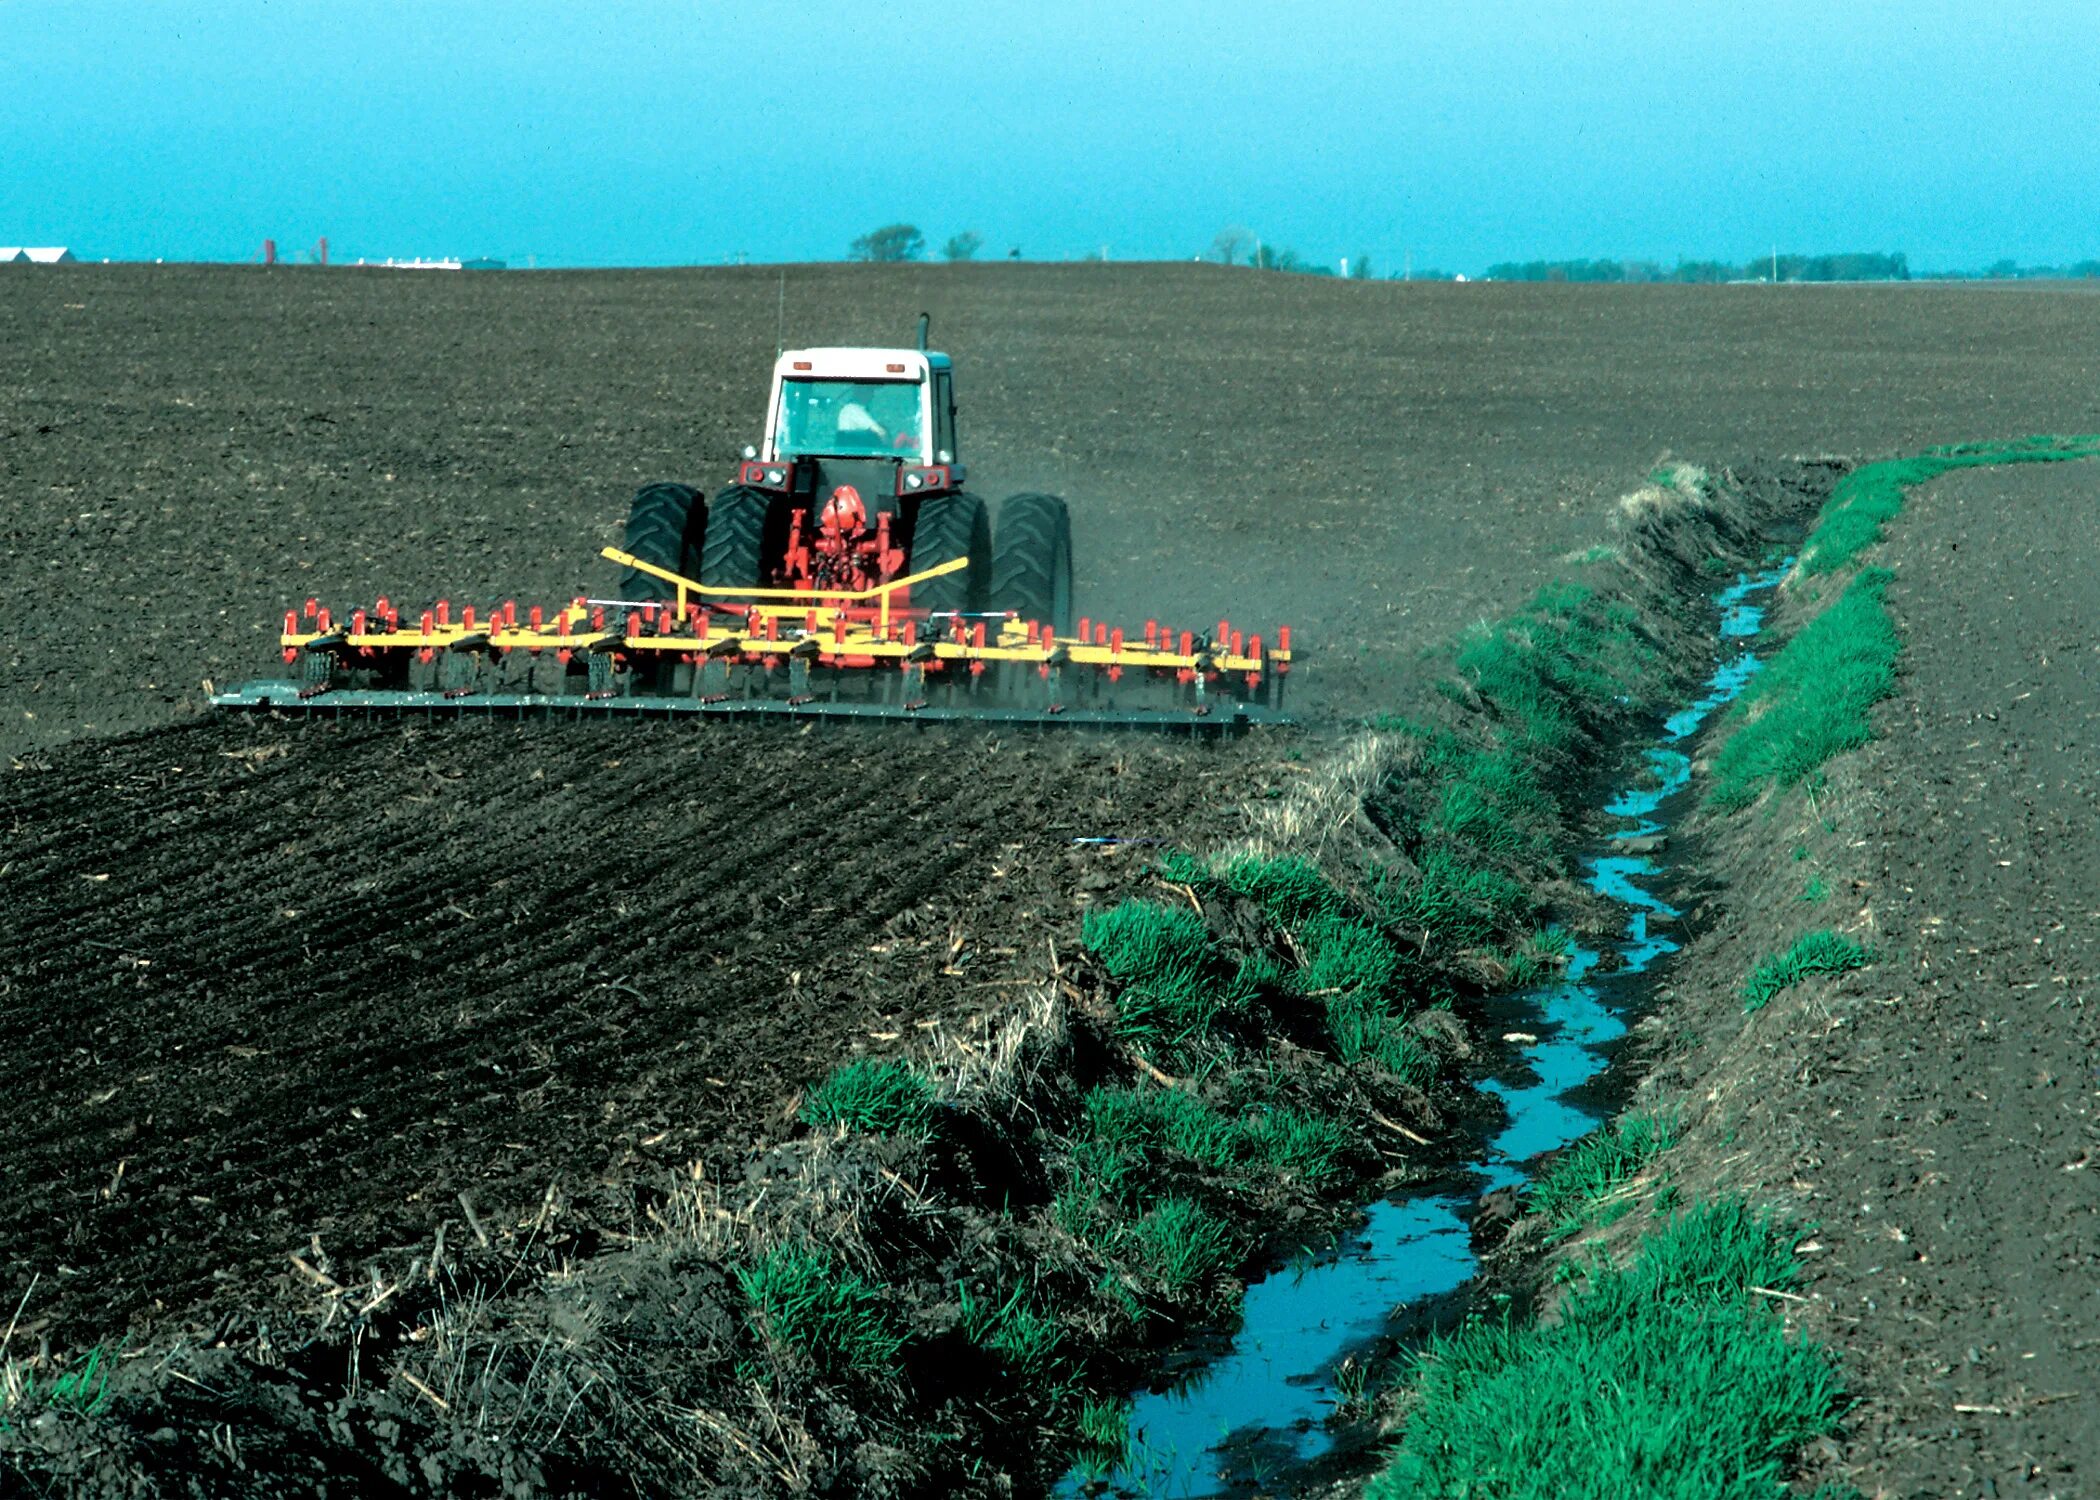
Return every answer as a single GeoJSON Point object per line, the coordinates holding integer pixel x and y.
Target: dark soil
{"type": "Point", "coordinates": [265, 984]}
{"type": "Point", "coordinates": [185, 451]}
{"type": "Point", "coordinates": [1934, 1116]}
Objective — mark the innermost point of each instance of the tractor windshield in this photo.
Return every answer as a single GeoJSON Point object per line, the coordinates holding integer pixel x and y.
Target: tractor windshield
{"type": "Point", "coordinates": [850, 417]}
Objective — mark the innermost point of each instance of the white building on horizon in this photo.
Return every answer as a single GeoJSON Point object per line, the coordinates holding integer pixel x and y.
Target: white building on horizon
{"type": "Point", "coordinates": [42, 255]}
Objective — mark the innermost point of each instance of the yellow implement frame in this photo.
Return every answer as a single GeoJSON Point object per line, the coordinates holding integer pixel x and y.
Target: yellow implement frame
{"type": "Point", "coordinates": [791, 624]}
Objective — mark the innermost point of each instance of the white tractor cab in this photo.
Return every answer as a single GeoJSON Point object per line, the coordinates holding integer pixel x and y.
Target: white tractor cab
{"type": "Point", "coordinates": [857, 482]}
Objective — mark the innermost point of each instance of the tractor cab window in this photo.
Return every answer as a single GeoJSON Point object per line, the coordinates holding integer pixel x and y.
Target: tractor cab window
{"type": "Point", "coordinates": [850, 418]}
{"type": "Point", "coordinates": [943, 413]}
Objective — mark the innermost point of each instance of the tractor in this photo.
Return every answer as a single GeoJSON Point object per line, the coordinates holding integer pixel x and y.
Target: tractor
{"type": "Point", "coordinates": [845, 571]}
{"type": "Point", "coordinates": [859, 480]}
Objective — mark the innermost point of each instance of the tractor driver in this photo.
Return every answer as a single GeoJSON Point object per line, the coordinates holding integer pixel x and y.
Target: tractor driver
{"type": "Point", "coordinates": [885, 416]}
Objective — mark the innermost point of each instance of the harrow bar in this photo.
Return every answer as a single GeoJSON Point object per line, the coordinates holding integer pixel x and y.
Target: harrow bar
{"type": "Point", "coordinates": [295, 697]}
{"type": "Point", "coordinates": [716, 651]}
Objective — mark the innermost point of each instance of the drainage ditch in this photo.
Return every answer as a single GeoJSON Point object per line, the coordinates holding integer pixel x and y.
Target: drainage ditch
{"type": "Point", "coordinates": [1253, 1419]}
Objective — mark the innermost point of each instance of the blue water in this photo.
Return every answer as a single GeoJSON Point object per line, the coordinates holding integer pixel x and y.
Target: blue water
{"type": "Point", "coordinates": [1257, 1411]}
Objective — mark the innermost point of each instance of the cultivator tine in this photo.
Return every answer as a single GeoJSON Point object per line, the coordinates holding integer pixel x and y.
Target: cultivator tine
{"type": "Point", "coordinates": [718, 651]}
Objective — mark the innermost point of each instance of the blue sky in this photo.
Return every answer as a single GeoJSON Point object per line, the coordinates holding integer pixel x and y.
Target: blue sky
{"type": "Point", "coordinates": [619, 133]}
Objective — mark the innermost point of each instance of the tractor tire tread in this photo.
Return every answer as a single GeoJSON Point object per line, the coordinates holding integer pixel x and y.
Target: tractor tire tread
{"type": "Point", "coordinates": [1032, 554]}
{"type": "Point", "coordinates": [735, 552]}
{"type": "Point", "coordinates": [665, 526]}
{"type": "Point", "coordinates": [947, 527]}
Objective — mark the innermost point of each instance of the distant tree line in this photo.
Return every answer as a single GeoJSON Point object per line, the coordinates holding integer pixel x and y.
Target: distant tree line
{"type": "Point", "coordinates": [1865, 265]}
{"type": "Point", "coordinates": [1237, 246]}
{"type": "Point", "coordinates": [899, 242]}
{"type": "Point", "coordinates": [2012, 270]}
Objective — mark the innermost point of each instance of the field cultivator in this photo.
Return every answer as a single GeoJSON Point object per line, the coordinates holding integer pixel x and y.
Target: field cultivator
{"type": "Point", "coordinates": [702, 650]}
{"type": "Point", "coordinates": [845, 571]}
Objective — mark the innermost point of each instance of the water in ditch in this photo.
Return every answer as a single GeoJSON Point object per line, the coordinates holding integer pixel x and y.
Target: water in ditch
{"type": "Point", "coordinates": [1242, 1422]}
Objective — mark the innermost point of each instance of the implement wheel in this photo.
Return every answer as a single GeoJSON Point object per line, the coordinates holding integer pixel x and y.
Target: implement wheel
{"type": "Point", "coordinates": [1032, 561]}
{"type": "Point", "coordinates": [734, 556]}
{"type": "Point", "coordinates": [945, 528]}
{"type": "Point", "coordinates": [665, 526]}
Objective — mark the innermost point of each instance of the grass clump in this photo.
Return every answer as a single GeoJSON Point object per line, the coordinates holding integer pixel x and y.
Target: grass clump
{"type": "Point", "coordinates": [1134, 1124]}
{"type": "Point", "coordinates": [81, 1391]}
{"type": "Point", "coordinates": [1585, 1176]}
{"type": "Point", "coordinates": [1185, 1249]}
{"type": "Point", "coordinates": [1871, 496]}
{"type": "Point", "coordinates": [1543, 666]}
{"type": "Point", "coordinates": [1101, 1439]}
{"type": "Point", "coordinates": [1667, 1378]}
{"type": "Point", "coordinates": [882, 1098]}
{"type": "Point", "coordinates": [1291, 890]}
{"type": "Point", "coordinates": [811, 1310]}
{"type": "Point", "coordinates": [1819, 952]}
{"type": "Point", "coordinates": [1177, 984]}
{"type": "Point", "coordinates": [1347, 964]}
{"type": "Point", "coordinates": [1454, 905]}
{"type": "Point", "coordinates": [1814, 700]}
{"type": "Point", "coordinates": [1029, 1341]}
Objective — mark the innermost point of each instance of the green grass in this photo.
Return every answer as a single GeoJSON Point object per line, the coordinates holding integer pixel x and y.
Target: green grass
{"type": "Point", "coordinates": [1349, 966]}
{"type": "Point", "coordinates": [1291, 890]}
{"type": "Point", "coordinates": [1867, 499]}
{"type": "Point", "coordinates": [81, 1391]}
{"type": "Point", "coordinates": [1688, 480]}
{"type": "Point", "coordinates": [1029, 1341]}
{"type": "Point", "coordinates": [1453, 905]}
{"type": "Point", "coordinates": [1177, 985]}
{"type": "Point", "coordinates": [883, 1098]}
{"type": "Point", "coordinates": [1561, 655]}
{"type": "Point", "coordinates": [1815, 889]}
{"type": "Point", "coordinates": [1128, 1126]}
{"type": "Point", "coordinates": [812, 1311]}
{"type": "Point", "coordinates": [1101, 1440]}
{"type": "Point", "coordinates": [1185, 1249]}
{"type": "Point", "coordinates": [1669, 1379]}
{"type": "Point", "coordinates": [1820, 952]}
{"type": "Point", "coordinates": [1569, 1192]}
{"type": "Point", "coordinates": [1814, 700]}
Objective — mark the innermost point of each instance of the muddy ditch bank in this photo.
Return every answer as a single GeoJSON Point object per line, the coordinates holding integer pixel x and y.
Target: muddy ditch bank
{"type": "Point", "coordinates": [1930, 1116]}
{"type": "Point", "coordinates": [1282, 1410]}
{"type": "Point", "coordinates": [951, 1291]}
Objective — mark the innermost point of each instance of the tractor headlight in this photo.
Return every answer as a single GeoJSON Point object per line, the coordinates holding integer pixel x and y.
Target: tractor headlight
{"type": "Point", "coordinates": [774, 476]}
{"type": "Point", "coordinates": [913, 481]}
{"type": "Point", "coordinates": [749, 451]}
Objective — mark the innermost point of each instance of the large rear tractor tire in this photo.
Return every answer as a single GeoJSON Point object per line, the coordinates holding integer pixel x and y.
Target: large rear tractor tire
{"type": "Point", "coordinates": [737, 532]}
{"type": "Point", "coordinates": [666, 526]}
{"type": "Point", "coordinates": [1032, 561]}
{"type": "Point", "coordinates": [945, 528]}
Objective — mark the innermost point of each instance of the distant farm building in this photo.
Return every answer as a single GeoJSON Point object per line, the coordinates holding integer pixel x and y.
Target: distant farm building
{"type": "Point", "coordinates": [481, 263]}
{"type": "Point", "coordinates": [42, 255]}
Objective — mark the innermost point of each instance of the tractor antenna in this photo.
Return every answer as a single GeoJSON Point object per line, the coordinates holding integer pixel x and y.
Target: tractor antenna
{"type": "Point", "coordinates": [925, 323]}
{"type": "Point", "coordinates": [780, 327]}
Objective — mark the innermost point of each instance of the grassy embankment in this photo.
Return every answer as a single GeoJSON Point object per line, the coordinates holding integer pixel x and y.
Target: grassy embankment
{"type": "Point", "coordinates": [1274, 1005]}
{"type": "Point", "coordinates": [1666, 1371]}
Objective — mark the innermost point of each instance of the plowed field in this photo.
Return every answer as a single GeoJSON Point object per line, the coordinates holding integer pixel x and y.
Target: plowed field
{"type": "Point", "coordinates": [261, 984]}
{"type": "Point", "coordinates": [265, 984]}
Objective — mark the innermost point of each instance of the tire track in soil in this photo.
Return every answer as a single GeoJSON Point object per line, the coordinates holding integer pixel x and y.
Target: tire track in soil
{"type": "Point", "coordinates": [266, 983]}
